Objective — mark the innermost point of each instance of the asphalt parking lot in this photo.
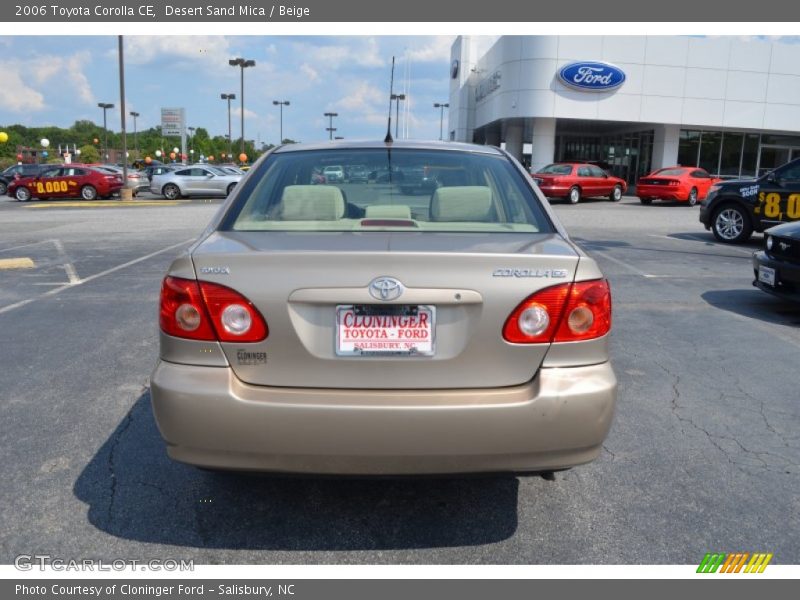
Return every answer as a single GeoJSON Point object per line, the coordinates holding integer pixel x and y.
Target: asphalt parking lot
{"type": "Point", "coordinates": [704, 453]}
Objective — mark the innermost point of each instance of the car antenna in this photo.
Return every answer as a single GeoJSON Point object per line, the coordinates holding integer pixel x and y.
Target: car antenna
{"type": "Point", "coordinates": [388, 139]}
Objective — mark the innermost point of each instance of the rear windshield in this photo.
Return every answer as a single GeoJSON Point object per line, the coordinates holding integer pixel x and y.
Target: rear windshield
{"type": "Point", "coordinates": [404, 190]}
{"type": "Point", "coordinates": [673, 172]}
{"type": "Point", "coordinates": [556, 170]}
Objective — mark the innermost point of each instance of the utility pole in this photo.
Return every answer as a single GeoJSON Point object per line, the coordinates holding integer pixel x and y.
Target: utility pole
{"type": "Point", "coordinates": [330, 128]}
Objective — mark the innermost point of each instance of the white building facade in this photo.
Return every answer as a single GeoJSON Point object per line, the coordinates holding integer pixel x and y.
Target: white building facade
{"type": "Point", "coordinates": [728, 105]}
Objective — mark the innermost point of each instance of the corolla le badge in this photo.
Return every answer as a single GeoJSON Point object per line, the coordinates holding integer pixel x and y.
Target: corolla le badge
{"type": "Point", "coordinates": [592, 76]}
{"type": "Point", "coordinates": [386, 288]}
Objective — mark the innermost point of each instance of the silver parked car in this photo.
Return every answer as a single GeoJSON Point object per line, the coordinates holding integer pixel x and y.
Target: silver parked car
{"type": "Point", "coordinates": [194, 180]}
{"type": "Point", "coordinates": [356, 329]}
{"type": "Point", "coordinates": [137, 180]}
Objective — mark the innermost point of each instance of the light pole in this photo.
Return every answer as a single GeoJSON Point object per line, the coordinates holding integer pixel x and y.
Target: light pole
{"type": "Point", "coordinates": [441, 106]}
{"type": "Point", "coordinates": [191, 139]}
{"type": "Point", "coordinates": [398, 98]}
{"type": "Point", "coordinates": [281, 103]}
{"type": "Point", "coordinates": [105, 106]}
{"type": "Point", "coordinates": [242, 63]}
{"type": "Point", "coordinates": [330, 128]}
{"type": "Point", "coordinates": [229, 97]}
{"type": "Point", "coordinates": [135, 114]}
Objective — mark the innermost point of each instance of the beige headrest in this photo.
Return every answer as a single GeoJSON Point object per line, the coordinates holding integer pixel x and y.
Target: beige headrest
{"type": "Point", "coordinates": [312, 203]}
{"type": "Point", "coordinates": [462, 203]}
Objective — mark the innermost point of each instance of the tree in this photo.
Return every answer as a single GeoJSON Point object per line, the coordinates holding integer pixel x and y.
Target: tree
{"type": "Point", "coordinates": [89, 154]}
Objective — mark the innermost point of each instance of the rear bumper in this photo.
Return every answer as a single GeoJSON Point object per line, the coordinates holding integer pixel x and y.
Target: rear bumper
{"type": "Point", "coordinates": [662, 192]}
{"type": "Point", "coordinates": [787, 277]}
{"type": "Point", "coordinates": [555, 191]}
{"type": "Point", "coordinates": [210, 418]}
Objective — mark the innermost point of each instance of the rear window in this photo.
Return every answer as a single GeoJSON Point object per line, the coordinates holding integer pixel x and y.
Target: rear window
{"type": "Point", "coordinates": [556, 170]}
{"type": "Point", "coordinates": [672, 172]}
{"type": "Point", "coordinates": [405, 190]}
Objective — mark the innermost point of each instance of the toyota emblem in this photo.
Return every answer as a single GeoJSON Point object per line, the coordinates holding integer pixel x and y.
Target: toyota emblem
{"type": "Point", "coordinates": [385, 288]}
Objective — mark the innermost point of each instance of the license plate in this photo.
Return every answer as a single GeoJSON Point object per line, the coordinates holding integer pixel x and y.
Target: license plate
{"type": "Point", "coordinates": [385, 330]}
{"type": "Point", "coordinates": [766, 275]}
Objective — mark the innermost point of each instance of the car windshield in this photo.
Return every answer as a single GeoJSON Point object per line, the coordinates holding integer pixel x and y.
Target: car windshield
{"type": "Point", "coordinates": [461, 192]}
{"type": "Point", "coordinates": [556, 170]}
{"type": "Point", "coordinates": [216, 170]}
{"type": "Point", "coordinates": [673, 172]}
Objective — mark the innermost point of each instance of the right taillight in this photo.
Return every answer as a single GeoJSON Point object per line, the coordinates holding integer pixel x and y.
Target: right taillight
{"type": "Point", "coordinates": [567, 312]}
{"type": "Point", "coordinates": [208, 311]}
{"type": "Point", "coordinates": [588, 312]}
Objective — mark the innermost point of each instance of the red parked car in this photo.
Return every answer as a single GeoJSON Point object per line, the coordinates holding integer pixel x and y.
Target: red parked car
{"type": "Point", "coordinates": [66, 181]}
{"type": "Point", "coordinates": [574, 181]}
{"type": "Point", "coordinates": [682, 184]}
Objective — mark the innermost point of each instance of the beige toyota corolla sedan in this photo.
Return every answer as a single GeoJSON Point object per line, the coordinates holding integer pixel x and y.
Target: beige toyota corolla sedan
{"type": "Point", "coordinates": [356, 329]}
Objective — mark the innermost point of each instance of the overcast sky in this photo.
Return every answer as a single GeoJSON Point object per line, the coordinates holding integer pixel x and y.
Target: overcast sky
{"type": "Point", "coordinates": [57, 80]}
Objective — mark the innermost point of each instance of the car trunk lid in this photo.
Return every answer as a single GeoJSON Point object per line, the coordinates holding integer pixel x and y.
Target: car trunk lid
{"type": "Point", "coordinates": [472, 282]}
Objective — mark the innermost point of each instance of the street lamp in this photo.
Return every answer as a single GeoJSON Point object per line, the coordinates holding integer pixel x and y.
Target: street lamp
{"type": "Point", "coordinates": [281, 103]}
{"type": "Point", "coordinates": [105, 106]}
{"type": "Point", "coordinates": [398, 98]}
{"type": "Point", "coordinates": [330, 128]}
{"type": "Point", "coordinates": [441, 106]}
{"type": "Point", "coordinates": [242, 63]}
{"type": "Point", "coordinates": [191, 137]}
{"type": "Point", "coordinates": [229, 97]}
{"type": "Point", "coordinates": [135, 114]}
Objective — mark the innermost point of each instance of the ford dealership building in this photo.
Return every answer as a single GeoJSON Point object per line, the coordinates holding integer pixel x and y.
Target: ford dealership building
{"type": "Point", "coordinates": [631, 103]}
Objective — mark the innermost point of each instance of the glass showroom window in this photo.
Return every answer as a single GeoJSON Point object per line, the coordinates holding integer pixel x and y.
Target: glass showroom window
{"type": "Point", "coordinates": [731, 153]}
{"type": "Point", "coordinates": [750, 155]}
{"type": "Point", "coordinates": [710, 143]}
{"type": "Point", "coordinates": [688, 148]}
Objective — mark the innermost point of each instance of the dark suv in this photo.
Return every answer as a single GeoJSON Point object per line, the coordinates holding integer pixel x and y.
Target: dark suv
{"type": "Point", "coordinates": [26, 170]}
{"type": "Point", "coordinates": [733, 210]}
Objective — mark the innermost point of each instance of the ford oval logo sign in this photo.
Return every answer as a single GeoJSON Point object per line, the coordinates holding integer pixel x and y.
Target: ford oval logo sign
{"type": "Point", "coordinates": [592, 76]}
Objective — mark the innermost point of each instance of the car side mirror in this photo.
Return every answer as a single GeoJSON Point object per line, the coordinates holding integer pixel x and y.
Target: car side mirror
{"type": "Point", "coordinates": [209, 176]}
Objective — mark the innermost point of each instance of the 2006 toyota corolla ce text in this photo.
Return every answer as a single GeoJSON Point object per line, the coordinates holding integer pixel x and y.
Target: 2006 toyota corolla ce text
{"type": "Point", "coordinates": [354, 329]}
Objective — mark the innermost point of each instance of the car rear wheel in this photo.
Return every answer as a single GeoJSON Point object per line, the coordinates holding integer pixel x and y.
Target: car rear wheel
{"type": "Point", "coordinates": [230, 189]}
{"type": "Point", "coordinates": [646, 200]}
{"type": "Point", "coordinates": [22, 194]}
{"type": "Point", "coordinates": [88, 192]}
{"type": "Point", "coordinates": [171, 191]}
{"type": "Point", "coordinates": [574, 194]}
{"type": "Point", "coordinates": [693, 196]}
{"type": "Point", "coordinates": [616, 194]}
{"type": "Point", "coordinates": [731, 224]}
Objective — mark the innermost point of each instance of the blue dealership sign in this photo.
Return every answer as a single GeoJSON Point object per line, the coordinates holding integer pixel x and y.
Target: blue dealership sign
{"type": "Point", "coordinates": [591, 76]}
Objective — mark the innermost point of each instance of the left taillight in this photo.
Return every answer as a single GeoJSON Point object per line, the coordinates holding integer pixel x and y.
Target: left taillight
{"type": "Point", "coordinates": [201, 310]}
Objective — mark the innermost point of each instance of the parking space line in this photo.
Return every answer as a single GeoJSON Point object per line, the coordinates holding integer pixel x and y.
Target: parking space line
{"type": "Point", "coordinates": [699, 239]}
{"type": "Point", "coordinates": [623, 264]}
{"type": "Point", "coordinates": [16, 263]}
{"type": "Point", "coordinates": [25, 245]}
{"type": "Point", "coordinates": [72, 274]}
{"type": "Point", "coordinates": [68, 286]}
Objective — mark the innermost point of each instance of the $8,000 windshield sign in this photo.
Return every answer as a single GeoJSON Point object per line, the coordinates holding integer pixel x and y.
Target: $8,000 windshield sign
{"type": "Point", "coordinates": [591, 76]}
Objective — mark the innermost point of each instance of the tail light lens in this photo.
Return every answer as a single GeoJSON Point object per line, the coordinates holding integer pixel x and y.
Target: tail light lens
{"type": "Point", "coordinates": [567, 312]}
{"type": "Point", "coordinates": [208, 311]}
{"type": "Point", "coordinates": [235, 318]}
{"type": "Point", "coordinates": [588, 312]}
{"type": "Point", "coordinates": [182, 311]}
{"type": "Point", "coordinates": [673, 182]}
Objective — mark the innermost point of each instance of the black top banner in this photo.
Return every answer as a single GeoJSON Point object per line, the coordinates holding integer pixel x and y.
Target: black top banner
{"type": "Point", "coordinates": [132, 11]}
